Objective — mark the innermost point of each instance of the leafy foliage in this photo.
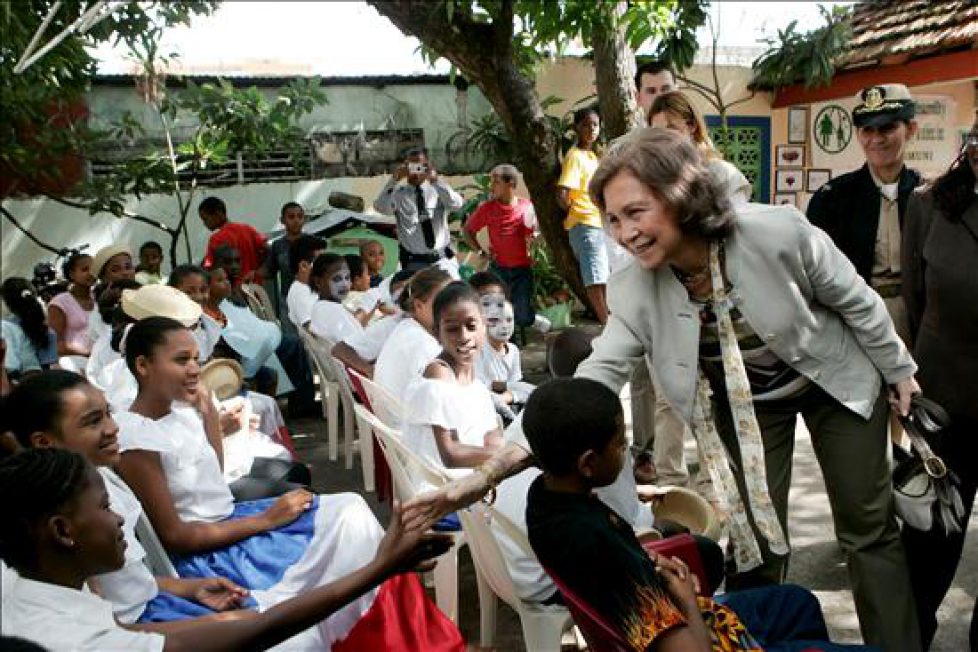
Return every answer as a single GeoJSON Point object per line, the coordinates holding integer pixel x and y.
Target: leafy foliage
{"type": "Point", "coordinates": [809, 57]}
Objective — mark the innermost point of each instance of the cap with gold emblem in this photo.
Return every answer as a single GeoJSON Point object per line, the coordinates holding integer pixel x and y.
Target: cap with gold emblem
{"type": "Point", "coordinates": [883, 104]}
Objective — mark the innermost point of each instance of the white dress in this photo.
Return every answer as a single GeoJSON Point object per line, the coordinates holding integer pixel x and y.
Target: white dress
{"type": "Point", "coordinates": [404, 356]}
{"type": "Point", "coordinates": [331, 321]}
{"type": "Point", "coordinates": [466, 409]}
{"type": "Point", "coordinates": [344, 535]}
{"type": "Point", "coordinates": [369, 342]}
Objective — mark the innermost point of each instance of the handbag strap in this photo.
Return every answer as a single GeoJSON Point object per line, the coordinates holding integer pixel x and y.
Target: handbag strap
{"type": "Point", "coordinates": [926, 418]}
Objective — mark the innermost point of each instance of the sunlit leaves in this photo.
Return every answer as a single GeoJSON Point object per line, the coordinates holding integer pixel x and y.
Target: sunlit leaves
{"type": "Point", "coordinates": [794, 57]}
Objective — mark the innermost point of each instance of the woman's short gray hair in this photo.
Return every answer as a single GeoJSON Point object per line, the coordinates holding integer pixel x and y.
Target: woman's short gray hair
{"type": "Point", "coordinates": [670, 165]}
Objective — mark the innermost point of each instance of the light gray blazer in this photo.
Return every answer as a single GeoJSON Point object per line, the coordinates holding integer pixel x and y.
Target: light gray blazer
{"type": "Point", "coordinates": [795, 289]}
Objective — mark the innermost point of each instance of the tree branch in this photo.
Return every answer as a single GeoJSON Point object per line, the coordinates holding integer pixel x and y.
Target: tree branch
{"type": "Point", "coordinates": [33, 238]}
{"type": "Point", "coordinates": [124, 213]}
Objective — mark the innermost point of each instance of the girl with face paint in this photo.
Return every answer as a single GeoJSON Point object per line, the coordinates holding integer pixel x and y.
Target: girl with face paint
{"type": "Point", "coordinates": [330, 278]}
{"type": "Point", "coordinates": [499, 365]}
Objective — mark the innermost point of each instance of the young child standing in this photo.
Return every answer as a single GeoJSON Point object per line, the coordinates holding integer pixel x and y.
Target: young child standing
{"type": "Point", "coordinates": [451, 421]}
{"type": "Point", "coordinates": [278, 265]}
{"type": "Point", "coordinates": [330, 278]}
{"type": "Point", "coordinates": [512, 224]}
{"type": "Point", "coordinates": [372, 253]}
{"type": "Point", "coordinates": [150, 262]}
{"type": "Point", "coordinates": [575, 428]}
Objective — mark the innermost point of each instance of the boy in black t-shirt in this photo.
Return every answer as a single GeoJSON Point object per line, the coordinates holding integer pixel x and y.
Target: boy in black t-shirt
{"type": "Point", "coordinates": [575, 428]}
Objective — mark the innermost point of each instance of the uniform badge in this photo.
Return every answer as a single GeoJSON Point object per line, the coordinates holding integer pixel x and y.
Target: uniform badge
{"type": "Point", "coordinates": [874, 97]}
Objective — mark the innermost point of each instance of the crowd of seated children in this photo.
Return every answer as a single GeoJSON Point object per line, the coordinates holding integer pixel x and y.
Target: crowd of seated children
{"type": "Point", "coordinates": [62, 531]}
{"type": "Point", "coordinates": [372, 253]}
{"type": "Point", "coordinates": [150, 261]}
{"type": "Point", "coordinates": [301, 296]}
{"type": "Point", "coordinates": [360, 350]}
{"type": "Point", "coordinates": [512, 224]}
{"type": "Point", "coordinates": [30, 344]}
{"type": "Point", "coordinates": [575, 428]}
{"type": "Point", "coordinates": [68, 312]}
{"type": "Point", "coordinates": [450, 420]}
{"type": "Point", "coordinates": [330, 319]}
{"type": "Point", "coordinates": [412, 344]}
{"type": "Point", "coordinates": [170, 443]}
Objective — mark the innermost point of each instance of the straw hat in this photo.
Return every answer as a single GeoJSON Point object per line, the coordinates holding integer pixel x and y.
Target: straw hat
{"type": "Point", "coordinates": [688, 508]}
{"type": "Point", "coordinates": [161, 301]}
{"type": "Point", "coordinates": [222, 376]}
{"type": "Point", "coordinates": [104, 254]}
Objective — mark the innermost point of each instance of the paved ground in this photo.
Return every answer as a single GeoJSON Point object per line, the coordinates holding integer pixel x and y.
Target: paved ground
{"type": "Point", "coordinates": [817, 562]}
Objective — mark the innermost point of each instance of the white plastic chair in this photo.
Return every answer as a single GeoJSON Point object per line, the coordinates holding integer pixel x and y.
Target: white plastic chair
{"type": "Point", "coordinates": [543, 626]}
{"type": "Point", "coordinates": [156, 558]}
{"type": "Point", "coordinates": [385, 405]}
{"type": "Point", "coordinates": [408, 472]}
{"type": "Point", "coordinates": [352, 435]}
{"type": "Point", "coordinates": [329, 392]}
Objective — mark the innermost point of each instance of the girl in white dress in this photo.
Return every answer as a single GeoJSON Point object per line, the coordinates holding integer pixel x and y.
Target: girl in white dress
{"type": "Point", "coordinates": [61, 530]}
{"type": "Point", "coordinates": [171, 458]}
{"type": "Point", "coordinates": [412, 345]}
{"type": "Point", "coordinates": [499, 366]}
{"type": "Point", "coordinates": [330, 320]}
{"type": "Point", "coordinates": [450, 420]}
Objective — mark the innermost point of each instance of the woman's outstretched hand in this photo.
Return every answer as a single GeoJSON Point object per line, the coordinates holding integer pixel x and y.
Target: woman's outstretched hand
{"type": "Point", "coordinates": [405, 548]}
{"type": "Point", "coordinates": [901, 393]}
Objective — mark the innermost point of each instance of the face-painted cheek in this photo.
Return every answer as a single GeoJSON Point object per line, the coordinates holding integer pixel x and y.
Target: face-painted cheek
{"type": "Point", "coordinates": [339, 289]}
{"type": "Point", "coordinates": [500, 329]}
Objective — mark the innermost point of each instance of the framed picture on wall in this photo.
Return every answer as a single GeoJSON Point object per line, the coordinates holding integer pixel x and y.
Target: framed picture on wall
{"type": "Point", "coordinates": [789, 180]}
{"type": "Point", "coordinates": [785, 198]}
{"type": "Point", "coordinates": [797, 125]}
{"type": "Point", "coordinates": [789, 156]}
{"type": "Point", "coordinates": [816, 178]}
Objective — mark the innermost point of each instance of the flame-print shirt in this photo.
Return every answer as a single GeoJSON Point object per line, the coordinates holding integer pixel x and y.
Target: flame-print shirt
{"type": "Point", "coordinates": [596, 555]}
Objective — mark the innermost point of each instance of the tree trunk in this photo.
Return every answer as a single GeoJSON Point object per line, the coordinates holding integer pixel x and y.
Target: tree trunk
{"type": "Point", "coordinates": [614, 71]}
{"type": "Point", "coordinates": [483, 53]}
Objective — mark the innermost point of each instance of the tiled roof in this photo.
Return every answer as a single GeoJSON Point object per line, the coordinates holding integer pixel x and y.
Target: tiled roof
{"type": "Point", "coordinates": [892, 31]}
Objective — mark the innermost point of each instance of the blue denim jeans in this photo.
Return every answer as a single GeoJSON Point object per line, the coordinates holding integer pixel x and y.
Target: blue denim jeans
{"type": "Point", "coordinates": [520, 282]}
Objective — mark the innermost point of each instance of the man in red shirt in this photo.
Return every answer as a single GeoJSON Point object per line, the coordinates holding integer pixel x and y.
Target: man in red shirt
{"type": "Point", "coordinates": [512, 223]}
{"type": "Point", "coordinates": [249, 242]}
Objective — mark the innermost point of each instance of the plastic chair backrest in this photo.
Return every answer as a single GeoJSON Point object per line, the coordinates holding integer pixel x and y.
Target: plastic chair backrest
{"type": "Point", "coordinates": [156, 557]}
{"type": "Point", "coordinates": [313, 349]}
{"type": "Point", "coordinates": [385, 405]}
{"type": "Point", "coordinates": [409, 470]}
{"type": "Point", "coordinates": [600, 636]}
{"type": "Point", "coordinates": [486, 555]}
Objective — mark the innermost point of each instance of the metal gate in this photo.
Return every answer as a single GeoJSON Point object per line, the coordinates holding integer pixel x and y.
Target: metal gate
{"type": "Point", "coordinates": [748, 146]}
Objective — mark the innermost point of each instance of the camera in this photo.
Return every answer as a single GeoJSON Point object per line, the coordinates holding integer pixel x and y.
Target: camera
{"type": "Point", "coordinates": [417, 168]}
{"type": "Point", "coordinates": [46, 282]}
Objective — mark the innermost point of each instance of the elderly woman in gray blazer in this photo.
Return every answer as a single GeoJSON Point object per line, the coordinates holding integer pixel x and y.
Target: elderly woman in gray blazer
{"type": "Point", "coordinates": [750, 319]}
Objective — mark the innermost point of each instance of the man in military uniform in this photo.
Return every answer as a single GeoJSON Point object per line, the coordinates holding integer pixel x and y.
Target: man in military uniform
{"type": "Point", "coordinates": [862, 211]}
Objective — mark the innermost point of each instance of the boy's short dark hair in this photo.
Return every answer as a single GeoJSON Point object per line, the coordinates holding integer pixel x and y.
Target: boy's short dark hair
{"type": "Point", "coordinates": [567, 350]}
{"type": "Point", "coordinates": [213, 205]}
{"type": "Point", "coordinates": [481, 280]}
{"type": "Point", "coordinates": [290, 204]}
{"type": "Point", "coordinates": [355, 264]}
{"type": "Point", "coordinates": [180, 272]}
{"type": "Point", "coordinates": [411, 152]}
{"type": "Point", "coordinates": [150, 244]}
{"type": "Point", "coordinates": [566, 417]}
{"type": "Point", "coordinates": [652, 68]}
{"type": "Point", "coordinates": [304, 250]}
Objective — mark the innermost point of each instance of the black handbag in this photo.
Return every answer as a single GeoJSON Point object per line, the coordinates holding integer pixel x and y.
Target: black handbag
{"type": "Point", "coordinates": [924, 489]}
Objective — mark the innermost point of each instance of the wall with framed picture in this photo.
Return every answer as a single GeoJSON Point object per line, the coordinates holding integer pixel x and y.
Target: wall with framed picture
{"type": "Point", "coordinates": [789, 180]}
{"type": "Point", "coordinates": [789, 156]}
{"type": "Point", "coordinates": [789, 198]}
{"type": "Point", "coordinates": [798, 125]}
{"type": "Point", "coordinates": [815, 178]}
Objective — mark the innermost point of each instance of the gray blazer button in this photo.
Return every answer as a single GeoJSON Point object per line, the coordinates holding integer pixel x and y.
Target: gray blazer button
{"type": "Point", "coordinates": [771, 337]}
{"type": "Point", "coordinates": [816, 374]}
{"type": "Point", "coordinates": [796, 359]}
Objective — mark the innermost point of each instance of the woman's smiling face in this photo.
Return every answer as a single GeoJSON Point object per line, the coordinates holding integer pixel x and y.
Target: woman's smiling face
{"type": "Point", "coordinates": [172, 367]}
{"type": "Point", "coordinates": [640, 222]}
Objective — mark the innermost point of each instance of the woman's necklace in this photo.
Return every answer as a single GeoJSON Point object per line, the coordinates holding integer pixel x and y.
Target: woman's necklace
{"type": "Point", "coordinates": [698, 284]}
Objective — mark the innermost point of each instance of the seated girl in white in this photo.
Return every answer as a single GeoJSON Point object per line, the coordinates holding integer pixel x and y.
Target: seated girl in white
{"type": "Point", "coordinates": [450, 419]}
{"type": "Point", "coordinates": [412, 345]}
{"type": "Point", "coordinates": [61, 531]}
{"type": "Point", "coordinates": [330, 320]}
{"type": "Point", "coordinates": [499, 366]}
{"type": "Point", "coordinates": [171, 458]}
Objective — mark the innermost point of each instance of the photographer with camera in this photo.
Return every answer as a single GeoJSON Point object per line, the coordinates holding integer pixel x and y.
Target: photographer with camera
{"type": "Point", "coordinates": [421, 208]}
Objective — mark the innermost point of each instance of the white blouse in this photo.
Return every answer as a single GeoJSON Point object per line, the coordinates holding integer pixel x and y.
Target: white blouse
{"type": "Point", "coordinates": [404, 357]}
{"type": "Point", "coordinates": [193, 473]}
{"type": "Point", "coordinates": [369, 342]}
{"type": "Point", "coordinates": [60, 618]}
{"type": "Point", "coordinates": [333, 322]}
{"type": "Point", "coordinates": [300, 301]}
{"type": "Point", "coordinates": [466, 409]}
{"type": "Point", "coordinates": [131, 587]}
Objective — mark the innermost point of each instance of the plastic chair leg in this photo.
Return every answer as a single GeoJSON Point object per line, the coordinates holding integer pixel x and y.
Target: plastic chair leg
{"type": "Point", "coordinates": [332, 421]}
{"type": "Point", "coordinates": [366, 436]}
{"type": "Point", "coordinates": [446, 582]}
{"type": "Point", "coordinates": [487, 612]}
{"type": "Point", "coordinates": [542, 631]}
{"type": "Point", "coordinates": [349, 433]}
